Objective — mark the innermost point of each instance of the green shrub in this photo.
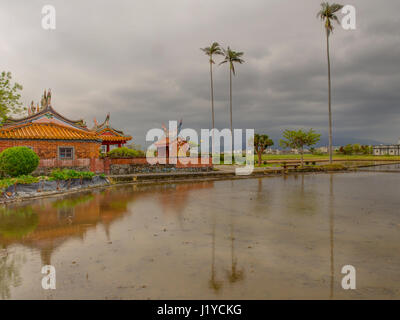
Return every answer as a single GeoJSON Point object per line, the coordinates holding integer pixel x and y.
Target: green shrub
{"type": "Point", "coordinates": [17, 161]}
{"type": "Point", "coordinates": [5, 183]}
{"type": "Point", "coordinates": [125, 152]}
{"type": "Point", "coordinates": [67, 174]}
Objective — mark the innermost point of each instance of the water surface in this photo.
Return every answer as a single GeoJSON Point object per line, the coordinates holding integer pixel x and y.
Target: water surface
{"type": "Point", "coordinates": [268, 238]}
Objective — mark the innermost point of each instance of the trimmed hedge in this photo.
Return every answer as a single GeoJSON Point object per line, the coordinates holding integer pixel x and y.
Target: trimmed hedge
{"type": "Point", "coordinates": [67, 174]}
{"type": "Point", "coordinates": [125, 152]}
{"type": "Point", "coordinates": [17, 161]}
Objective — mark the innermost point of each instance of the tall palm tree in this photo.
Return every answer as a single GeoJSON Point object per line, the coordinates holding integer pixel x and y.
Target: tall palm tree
{"type": "Point", "coordinates": [232, 57]}
{"type": "Point", "coordinates": [327, 14]}
{"type": "Point", "coordinates": [211, 51]}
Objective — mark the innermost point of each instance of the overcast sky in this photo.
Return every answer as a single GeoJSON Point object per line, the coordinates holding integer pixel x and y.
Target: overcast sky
{"type": "Point", "coordinates": [140, 60]}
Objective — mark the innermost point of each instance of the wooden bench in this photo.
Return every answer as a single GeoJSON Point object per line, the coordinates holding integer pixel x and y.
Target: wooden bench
{"type": "Point", "coordinates": [289, 165]}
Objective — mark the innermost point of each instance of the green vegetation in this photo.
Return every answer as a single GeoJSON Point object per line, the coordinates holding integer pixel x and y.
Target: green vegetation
{"type": "Point", "coordinates": [355, 149]}
{"type": "Point", "coordinates": [8, 182]}
{"type": "Point", "coordinates": [17, 161]}
{"type": "Point", "coordinates": [327, 14]}
{"type": "Point", "coordinates": [214, 49]}
{"type": "Point", "coordinates": [17, 222]}
{"type": "Point", "coordinates": [72, 202]}
{"type": "Point", "coordinates": [9, 96]}
{"type": "Point", "coordinates": [277, 157]}
{"type": "Point", "coordinates": [299, 139]}
{"type": "Point", "coordinates": [261, 143]}
{"type": "Point", "coordinates": [231, 57]}
{"type": "Point", "coordinates": [67, 174]}
{"type": "Point", "coordinates": [332, 166]}
{"type": "Point", "coordinates": [125, 152]}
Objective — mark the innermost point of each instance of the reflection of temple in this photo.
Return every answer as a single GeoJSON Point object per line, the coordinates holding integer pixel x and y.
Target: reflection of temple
{"type": "Point", "coordinates": [70, 217]}
{"type": "Point", "coordinates": [47, 224]}
{"type": "Point", "coordinates": [175, 199]}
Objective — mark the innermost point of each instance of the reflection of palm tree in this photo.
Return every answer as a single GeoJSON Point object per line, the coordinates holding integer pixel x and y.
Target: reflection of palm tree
{"type": "Point", "coordinates": [213, 282]}
{"type": "Point", "coordinates": [234, 274]}
{"type": "Point", "coordinates": [331, 229]}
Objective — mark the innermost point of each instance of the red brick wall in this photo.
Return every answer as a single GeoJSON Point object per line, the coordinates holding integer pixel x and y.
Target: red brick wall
{"type": "Point", "coordinates": [49, 149]}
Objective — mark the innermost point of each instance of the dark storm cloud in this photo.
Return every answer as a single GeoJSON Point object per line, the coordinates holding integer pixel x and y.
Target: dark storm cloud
{"type": "Point", "coordinates": [140, 60]}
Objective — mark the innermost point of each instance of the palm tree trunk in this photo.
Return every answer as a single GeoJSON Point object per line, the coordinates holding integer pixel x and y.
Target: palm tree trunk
{"type": "Point", "coordinates": [230, 98]}
{"type": "Point", "coordinates": [329, 97]}
{"type": "Point", "coordinates": [212, 95]}
{"type": "Point", "coordinates": [212, 106]}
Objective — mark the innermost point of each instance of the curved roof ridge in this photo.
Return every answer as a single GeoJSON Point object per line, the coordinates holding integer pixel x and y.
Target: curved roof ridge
{"type": "Point", "coordinates": [49, 108]}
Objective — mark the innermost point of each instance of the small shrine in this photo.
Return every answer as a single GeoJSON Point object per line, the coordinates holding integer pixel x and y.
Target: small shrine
{"type": "Point", "coordinates": [110, 137]}
{"type": "Point", "coordinates": [172, 145]}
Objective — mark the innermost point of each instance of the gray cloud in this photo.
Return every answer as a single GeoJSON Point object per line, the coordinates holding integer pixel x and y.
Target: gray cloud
{"type": "Point", "coordinates": [141, 61]}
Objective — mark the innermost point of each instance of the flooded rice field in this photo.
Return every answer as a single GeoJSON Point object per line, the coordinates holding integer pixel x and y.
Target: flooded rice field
{"type": "Point", "coordinates": [268, 238]}
{"type": "Point", "coordinates": [387, 167]}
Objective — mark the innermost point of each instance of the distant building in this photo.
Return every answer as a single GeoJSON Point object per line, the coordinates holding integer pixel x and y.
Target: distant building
{"type": "Point", "coordinates": [387, 150]}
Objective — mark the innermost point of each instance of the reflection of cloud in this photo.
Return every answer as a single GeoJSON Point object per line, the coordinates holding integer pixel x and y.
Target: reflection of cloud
{"type": "Point", "coordinates": [173, 198]}
{"type": "Point", "coordinates": [302, 199]}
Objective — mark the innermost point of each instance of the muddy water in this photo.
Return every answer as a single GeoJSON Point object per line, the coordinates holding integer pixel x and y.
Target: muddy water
{"type": "Point", "coordinates": [243, 239]}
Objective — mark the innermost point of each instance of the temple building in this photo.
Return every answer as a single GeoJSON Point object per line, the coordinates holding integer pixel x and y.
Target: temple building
{"type": "Point", "coordinates": [57, 140]}
{"type": "Point", "coordinates": [111, 138]}
{"type": "Point", "coordinates": [172, 145]}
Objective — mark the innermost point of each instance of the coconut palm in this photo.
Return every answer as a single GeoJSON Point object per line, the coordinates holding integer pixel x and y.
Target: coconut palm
{"type": "Point", "coordinates": [327, 14]}
{"type": "Point", "coordinates": [211, 51]}
{"type": "Point", "coordinates": [232, 57]}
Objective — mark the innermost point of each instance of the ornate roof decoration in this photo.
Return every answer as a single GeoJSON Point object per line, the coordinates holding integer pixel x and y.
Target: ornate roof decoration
{"type": "Point", "coordinates": [45, 113]}
{"type": "Point", "coordinates": [171, 137]}
{"type": "Point", "coordinates": [108, 133]}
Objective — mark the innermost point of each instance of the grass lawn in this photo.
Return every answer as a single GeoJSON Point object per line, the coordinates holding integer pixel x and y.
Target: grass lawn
{"type": "Point", "coordinates": [325, 157]}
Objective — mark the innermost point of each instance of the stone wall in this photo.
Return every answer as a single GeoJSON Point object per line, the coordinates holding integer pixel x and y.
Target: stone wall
{"type": "Point", "coordinates": [141, 165]}
{"type": "Point", "coordinates": [121, 169]}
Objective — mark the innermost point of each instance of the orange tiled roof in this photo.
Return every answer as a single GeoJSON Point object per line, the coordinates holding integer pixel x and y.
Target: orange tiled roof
{"type": "Point", "coordinates": [114, 138]}
{"type": "Point", "coordinates": [48, 131]}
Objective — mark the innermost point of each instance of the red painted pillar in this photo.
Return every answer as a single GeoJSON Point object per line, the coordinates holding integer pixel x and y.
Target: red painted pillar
{"type": "Point", "coordinates": [108, 147]}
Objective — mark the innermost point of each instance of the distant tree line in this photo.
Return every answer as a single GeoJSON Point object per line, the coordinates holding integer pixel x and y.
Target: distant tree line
{"type": "Point", "coordinates": [355, 149]}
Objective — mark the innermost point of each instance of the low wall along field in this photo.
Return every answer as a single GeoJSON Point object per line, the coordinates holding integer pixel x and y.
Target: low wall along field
{"type": "Point", "coordinates": [142, 165]}
{"type": "Point", "coordinates": [121, 166]}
